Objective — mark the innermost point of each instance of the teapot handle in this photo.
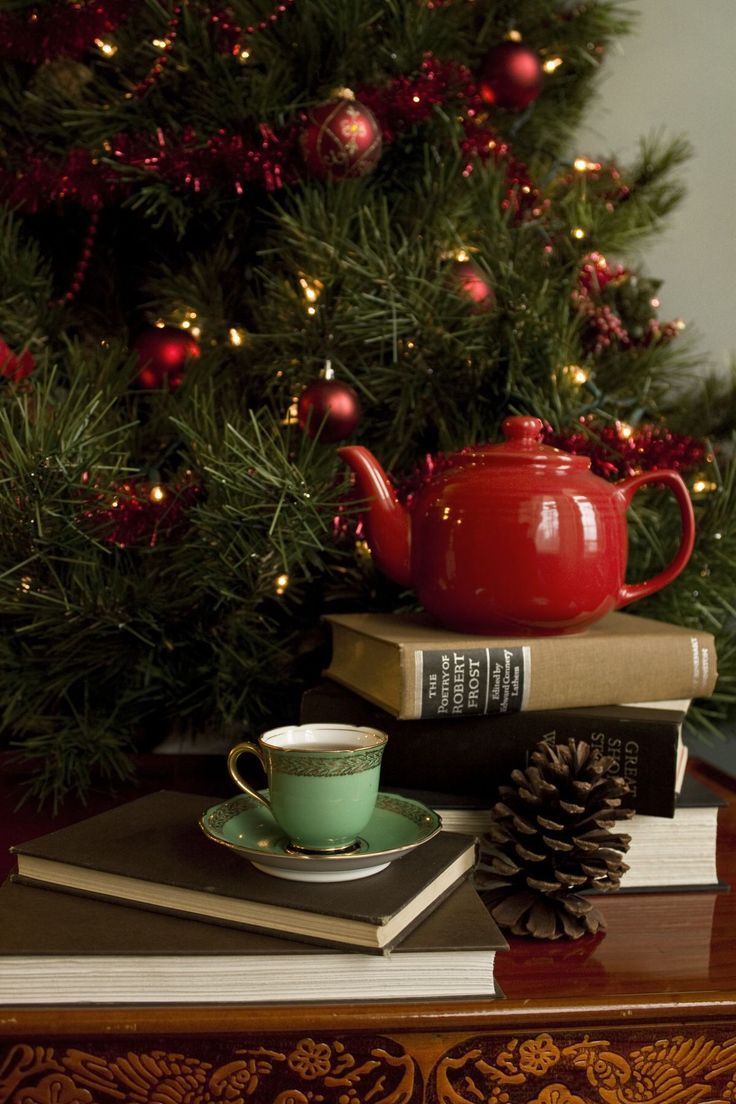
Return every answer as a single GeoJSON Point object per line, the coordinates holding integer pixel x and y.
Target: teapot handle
{"type": "Point", "coordinates": [630, 592]}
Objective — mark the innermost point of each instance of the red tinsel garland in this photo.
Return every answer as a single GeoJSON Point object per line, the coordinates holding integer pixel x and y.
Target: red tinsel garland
{"type": "Point", "coordinates": [227, 160]}
{"type": "Point", "coordinates": [139, 512]}
{"type": "Point", "coordinates": [617, 450]}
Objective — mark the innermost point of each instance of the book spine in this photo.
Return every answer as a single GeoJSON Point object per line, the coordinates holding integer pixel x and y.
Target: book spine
{"type": "Point", "coordinates": [472, 756]}
{"type": "Point", "coordinates": [555, 673]}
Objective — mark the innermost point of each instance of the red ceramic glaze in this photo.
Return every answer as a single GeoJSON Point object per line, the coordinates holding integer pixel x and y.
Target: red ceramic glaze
{"type": "Point", "coordinates": [516, 538]}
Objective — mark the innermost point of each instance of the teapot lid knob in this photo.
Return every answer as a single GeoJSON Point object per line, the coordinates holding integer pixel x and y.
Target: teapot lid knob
{"type": "Point", "coordinates": [522, 428]}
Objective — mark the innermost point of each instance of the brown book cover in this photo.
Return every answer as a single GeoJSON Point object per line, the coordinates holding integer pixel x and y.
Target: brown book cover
{"type": "Point", "coordinates": [151, 852]}
{"type": "Point", "coordinates": [474, 755]}
{"type": "Point", "coordinates": [410, 667]}
{"type": "Point", "coordinates": [59, 948]}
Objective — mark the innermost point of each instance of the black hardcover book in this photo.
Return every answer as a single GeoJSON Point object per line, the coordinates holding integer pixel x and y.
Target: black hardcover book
{"type": "Point", "coordinates": [472, 755]}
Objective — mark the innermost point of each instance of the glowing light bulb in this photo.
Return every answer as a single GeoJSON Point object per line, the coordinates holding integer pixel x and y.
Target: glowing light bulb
{"type": "Point", "coordinates": [282, 581]}
{"type": "Point", "coordinates": [311, 289]}
{"type": "Point", "coordinates": [552, 64]}
{"type": "Point", "coordinates": [107, 49]}
{"type": "Point", "coordinates": [292, 414]}
{"type": "Point", "coordinates": [236, 336]}
{"type": "Point", "coordinates": [578, 232]}
{"type": "Point", "coordinates": [577, 374]}
{"type": "Point", "coordinates": [625, 430]}
{"type": "Point", "coordinates": [156, 493]}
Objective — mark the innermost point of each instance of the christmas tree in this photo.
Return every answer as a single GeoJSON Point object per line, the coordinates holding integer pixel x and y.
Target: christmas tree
{"type": "Point", "coordinates": [235, 234]}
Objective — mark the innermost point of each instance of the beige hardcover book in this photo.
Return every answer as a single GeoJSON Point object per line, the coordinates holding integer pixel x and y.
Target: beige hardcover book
{"type": "Point", "coordinates": [412, 668]}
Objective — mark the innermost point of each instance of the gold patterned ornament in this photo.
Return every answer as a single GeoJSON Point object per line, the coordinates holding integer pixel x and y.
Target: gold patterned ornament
{"type": "Point", "coordinates": [341, 139]}
{"type": "Point", "coordinates": [552, 838]}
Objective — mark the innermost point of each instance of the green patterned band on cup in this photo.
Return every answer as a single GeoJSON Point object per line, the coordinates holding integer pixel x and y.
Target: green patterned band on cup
{"type": "Point", "coordinates": [329, 765]}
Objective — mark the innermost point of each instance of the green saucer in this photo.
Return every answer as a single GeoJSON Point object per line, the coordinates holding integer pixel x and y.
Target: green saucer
{"type": "Point", "coordinates": [398, 825]}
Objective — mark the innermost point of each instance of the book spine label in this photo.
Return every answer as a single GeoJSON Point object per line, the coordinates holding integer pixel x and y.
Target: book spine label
{"type": "Point", "coordinates": [460, 683]}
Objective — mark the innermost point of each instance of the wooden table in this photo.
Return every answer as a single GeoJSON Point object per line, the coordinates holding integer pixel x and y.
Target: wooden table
{"type": "Point", "coordinates": [644, 1014]}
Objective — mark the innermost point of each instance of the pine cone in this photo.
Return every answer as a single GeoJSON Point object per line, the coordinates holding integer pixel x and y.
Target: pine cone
{"type": "Point", "coordinates": [551, 838]}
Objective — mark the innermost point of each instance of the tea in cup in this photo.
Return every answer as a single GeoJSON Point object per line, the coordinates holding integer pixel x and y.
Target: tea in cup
{"type": "Point", "coordinates": [322, 781]}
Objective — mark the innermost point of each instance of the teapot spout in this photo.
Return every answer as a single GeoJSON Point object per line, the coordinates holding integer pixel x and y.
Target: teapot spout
{"type": "Point", "coordinates": [387, 524]}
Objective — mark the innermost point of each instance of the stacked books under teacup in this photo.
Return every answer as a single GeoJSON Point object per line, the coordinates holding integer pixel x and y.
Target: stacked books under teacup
{"type": "Point", "coordinates": [323, 887]}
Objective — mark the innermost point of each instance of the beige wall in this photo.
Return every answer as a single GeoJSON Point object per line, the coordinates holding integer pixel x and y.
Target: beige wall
{"type": "Point", "coordinates": [677, 74]}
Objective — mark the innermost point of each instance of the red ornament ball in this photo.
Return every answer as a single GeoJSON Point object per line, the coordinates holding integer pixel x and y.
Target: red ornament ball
{"type": "Point", "coordinates": [163, 353]}
{"type": "Point", "coordinates": [328, 409]}
{"type": "Point", "coordinates": [15, 366]}
{"type": "Point", "coordinates": [341, 139]}
{"type": "Point", "coordinates": [511, 76]}
{"type": "Point", "coordinates": [470, 282]}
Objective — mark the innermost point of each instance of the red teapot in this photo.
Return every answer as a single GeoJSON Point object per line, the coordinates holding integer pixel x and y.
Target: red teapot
{"type": "Point", "coordinates": [517, 538]}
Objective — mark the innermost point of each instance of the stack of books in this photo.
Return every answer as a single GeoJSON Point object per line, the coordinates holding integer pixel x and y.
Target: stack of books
{"type": "Point", "coordinates": [462, 712]}
{"type": "Point", "coordinates": [137, 905]}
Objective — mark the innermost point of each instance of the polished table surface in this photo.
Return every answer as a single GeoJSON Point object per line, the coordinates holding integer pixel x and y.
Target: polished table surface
{"type": "Point", "coordinates": [645, 1012]}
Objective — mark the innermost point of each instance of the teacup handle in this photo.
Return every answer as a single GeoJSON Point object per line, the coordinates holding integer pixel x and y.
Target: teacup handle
{"type": "Point", "coordinates": [630, 592]}
{"type": "Point", "coordinates": [232, 765]}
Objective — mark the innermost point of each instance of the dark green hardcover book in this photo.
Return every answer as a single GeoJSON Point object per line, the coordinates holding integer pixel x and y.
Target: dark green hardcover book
{"type": "Point", "coordinates": [151, 852]}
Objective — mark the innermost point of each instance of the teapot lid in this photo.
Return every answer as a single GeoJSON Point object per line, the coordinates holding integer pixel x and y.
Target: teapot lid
{"type": "Point", "coordinates": [523, 444]}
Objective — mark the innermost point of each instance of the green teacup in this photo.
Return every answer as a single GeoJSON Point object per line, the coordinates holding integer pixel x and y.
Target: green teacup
{"type": "Point", "coordinates": [322, 781]}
